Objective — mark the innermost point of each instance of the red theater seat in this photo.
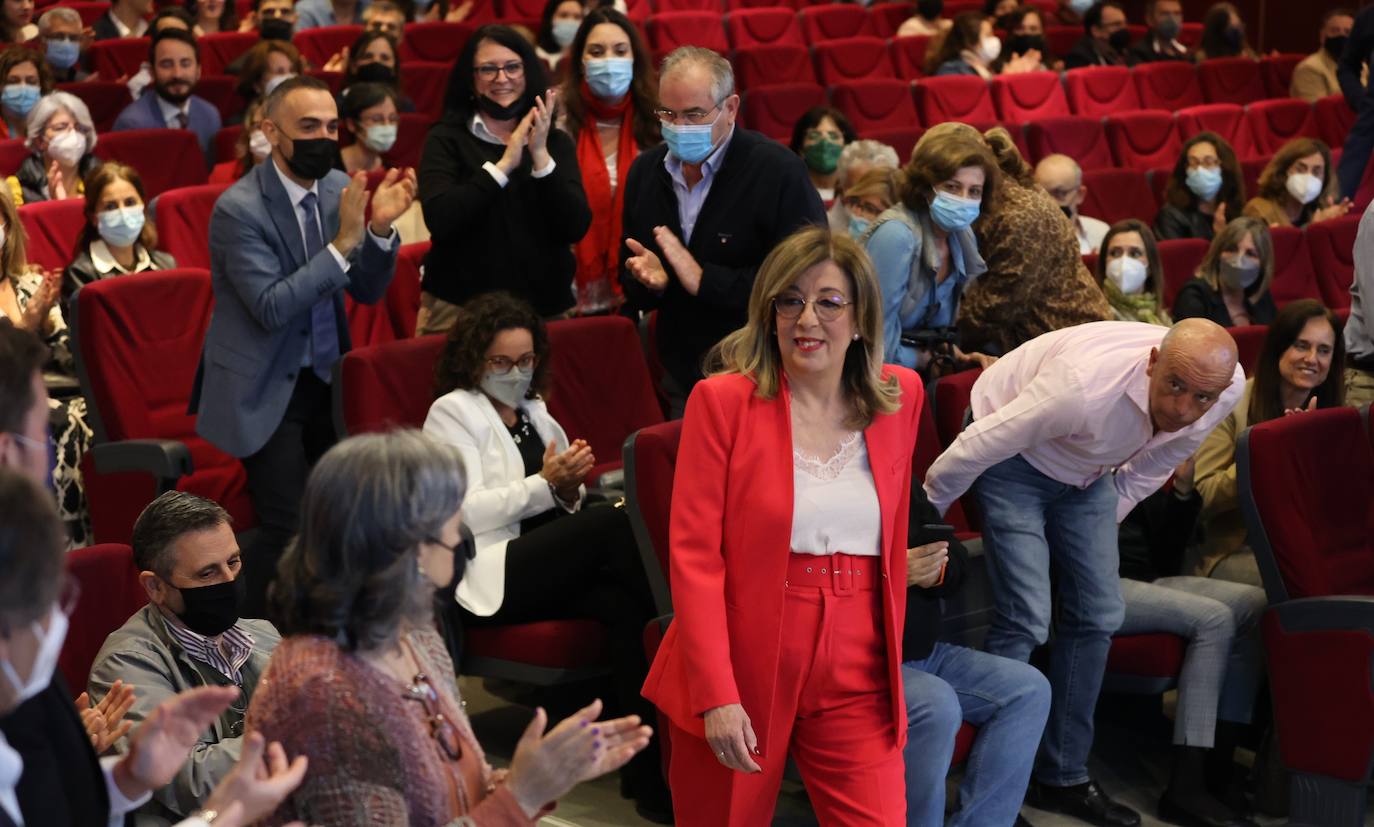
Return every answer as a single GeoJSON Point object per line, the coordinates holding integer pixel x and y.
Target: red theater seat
{"type": "Point", "coordinates": [105, 98]}
{"type": "Point", "coordinates": [425, 83]}
{"type": "Point", "coordinates": [410, 140]}
{"type": "Point", "coordinates": [1276, 122]}
{"type": "Point", "coordinates": [1169, 85]}
{"type": "Point", "coordinates": [226, 143]}
{"type": "Point", "coordinates": [887, 18]}
{"type": "Point", "coordinates": [951, 398]}
{"type": "Point", "coordinates": [1334, 118]}
{"type": "Point", "coordinates": [525, 9]}
{"type": "Point", "coordinates": [759, 66]}
{"type": "Point", "coordinates": [12, 154]}
{"type": "Point", "coordinates": [775, 109]}
{"type": "Point", "coordinates": [1293, 274]}
{"type": "Point", "coordinates": [1231, 80]}
{"type": "Point", "coordinates": [764, 27]}
{"type": "Point", "coordinates": [1249, 341]}
{"type": "Point", "coordinates": [1144, 664]}
{"type": "Point", "coordinates": [909, 56]}
{"type": "Point", "coordinates": [1332, 247]}
{"type": "Point", "coordinates": [183, 223]}
{"type": "Point", "coordinates": [219, 49]}
{"type": "Point", "coordinates": [669, 30]}
{"type": "Point", "coordinates": [1082, 139]}
{"type": "Point", "coordinates": [394, 316]}
{"type": "Point", "coordinates": [334, 80]}
{"type": "Point", "coordinates": [902, 140]}
{"type": "Point", "coordinates": [650, 462]}
{"type": "Point", "coordinates": [1225, 119]}
{"type": "Point", "coordinates": [852, 58]}
{"type": "Point", "coordinates": [875, 104]}
{"type": "Point", "coordinates": [712, 6]}
{"type": "Point", "coordinates": [835, 22]}
{"type": "Point", "coordinates": [954, 98]}
{"type": "Point", "coordinates": [319, 44]}
{"type": "Point", "coordinates": [928, 448]}
{"type": "Point", "coordinates": [221, 92]}
{"type": "Point", "coordinates": [1095, 91]}
{"type": "Point", "coordinates": [1277, 71]}
{"type": "Point", "coordinates": [1180, 258]}
{"type": "Point", "coordinates": [118, 57]}
{"type": "Point", "coordinates": [1028, 97]}
{"type": "Point", "coordinates": [52, 228]}
{"type": "Point", "coordinates": [110, 594]}
{"type": "Point", "coordinates": [1061, 39]}
{"type": "Point", "coordinates": [1143, 140]}
{"type": "Point", "coordinates": [437, 42]}
{"type": "Point", "coordinates": [165, 158]}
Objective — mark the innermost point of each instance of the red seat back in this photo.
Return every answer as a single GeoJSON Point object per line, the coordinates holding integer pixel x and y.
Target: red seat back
{"type": "Point", "coordinates": [12, 154]}
{"type": "Point", "coordinates": [878, 104]}
{"type": "Point", "coordinates": [165, 158]}
{"type": "Point", "coordinates": [775, 109]}
{"type": "Point", "coordinates": [650, 466]}
{"type": "Point", "coordinates": [669, 30]}
{"type": "Point", "coordinates": [334, 80]}
{"type": "Point", "coordinates": [105, 98]}
{"type": "Point", "coordinates": [834, 22]}
{"type": "Point", "coordinates": [1249, 341]}
{"type": "Point", "coordinates": [759, 66]}
{"type": "Point", "coordinates": [688, 5]}
{"type": "Point", "coordinates": [221, 92]}
{"type": "Point", "coordinates": [1096, 91]}
{"type": "Point", "coordinates": [952, 398]}
{"type": "Point", "coordinates": [1167, 85]}
{"type": "Point", "coordinates": [1225, 119]}
{"type": "Point", "coordinates": [1334, 118]}
{"type": "Point", "coordinates": [1277, 71]}
{"type": "Point", "coordinates": [1276, 122]}
{"type": "Point", "coordinates": [1029, 96]}
{"type": "Point", "coordinates": [226, 143]}
{"type": "Point", "coordinates": [1332, 247]}
{"type": "Point", "coordinates": [110, 594]}
{"type": "Point", "coordinates": [219, 49]}
{"type": "Point", "coordinates": [394, 316]}
{"type": "Point", "coordinates": [425, 84]}
{"type": "Point", "coordinates": [909, 56]}
{"type": "Point", "coordinates": [887, 18]}
{"type": "Point", "coordinates": [1062, 39]}
{"type": "Point", "coordinates": [386, 386]}
{"type": "Point", "coordinates": [954, 98]}
{"type": "Point", "coordinates": [902, 140]}
{"type": "Point", "coordinates": [410, 140]}
{"type": "Point", "coordinates": [764, 27]}
{"type": "Point", "coordinates": [928, 448]}
{"type": "Point", "coordinates": [119, 57]}
{"type": "Point", "coordinates": [437, 42]}
{"type": "Point", "coordinates": [52, 228]}
{"type": "Point", "coordinates": [1231, 80]}
{"type": "Point", "coordinates": [1180, 258]}
{"type": "Point", "coordinates": [183, 223]}
{"type": "Point", "coordinates": [1145, 139]}
{"type": "Point", "coordinates": [1294, 277]}
{"type": "Point", "coordinates": [1082, 139]}
{"type": "Point", "coordinates": [319, 44]}
{"type": "Point", "coordinates": [852, 58]}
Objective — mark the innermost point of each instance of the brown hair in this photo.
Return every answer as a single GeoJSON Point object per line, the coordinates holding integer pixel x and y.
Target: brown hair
{"type": "Point", "coordinates": [96, 182]}
{"type": "Point", "coordinates": [1228, 241]}
{"type": "Point", "coordinates": [12, 56]}
{"type": "Point", "coordinates": [1273, 182]}
{"type": "Point", "coordinates": [464, 358]}
{"type": "Point", "coordinates": [1232, 192]}
{"type": "Point", "coordinates": [937, 158]}
{"type": "Point", "coordinates": [964, 33]}
{"type": "Point", "coordinates": [1265, 402]}
{"type": "Point", "coordinates": [14, 253]}
{"type": "Point", "coordinates": [255, 65]}
{"type": "Point", "coordinates": [881, 182]}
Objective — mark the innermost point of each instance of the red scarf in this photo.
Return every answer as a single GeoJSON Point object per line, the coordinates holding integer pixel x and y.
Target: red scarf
{"type": "Point", "coordinates": [598, 253]}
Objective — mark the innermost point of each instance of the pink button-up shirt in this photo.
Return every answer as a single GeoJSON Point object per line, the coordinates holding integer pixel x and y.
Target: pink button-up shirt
{"type": "Point", "coordinates": [1075, 404]}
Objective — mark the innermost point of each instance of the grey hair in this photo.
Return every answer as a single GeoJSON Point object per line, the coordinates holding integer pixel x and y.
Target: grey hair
{"type": "Point", "coordinates": [867, 151]}
{"type": "Point", "coordinates": [52, 103]}
{"type": "Point", "coordinates": [722, 73]}
{"type": "Point", "coordinates": [59, 13]}
{"type": "Point", "coordinates": [166, 519]}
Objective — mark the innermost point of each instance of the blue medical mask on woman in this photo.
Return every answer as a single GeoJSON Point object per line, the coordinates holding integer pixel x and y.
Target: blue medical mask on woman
{"type": "Point", "coordinates": [858, 226]}
{"type": "Point", "coordinates": [19, 97]}
{"type": "Point", "coordinates": [380, 137]}
{"type": "Point", "coordinates": [1203, 182]}
{"type": "Point", "coordinates": [564, 31]}
{"type": "Point", "coordinates": [63, 54]}
{"type": "Point", "coordinates": [121, 226]}
{"type": "Point", "coordinates": [952, 213]}
{"type": "Point", "coordinates": [609, 78]}
{"type": "Point", "coordinates": [691, 143]}
{"type": "Point", "coordinates": [1080, 7]}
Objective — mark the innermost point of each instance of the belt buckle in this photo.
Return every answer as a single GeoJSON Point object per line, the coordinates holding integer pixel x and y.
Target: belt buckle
{"type": "Point", "coordinates": [842, 574]}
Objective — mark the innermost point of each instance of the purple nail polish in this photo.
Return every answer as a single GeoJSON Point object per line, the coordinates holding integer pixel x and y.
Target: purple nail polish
{"type": "Point", "coordinates": [596, 730]}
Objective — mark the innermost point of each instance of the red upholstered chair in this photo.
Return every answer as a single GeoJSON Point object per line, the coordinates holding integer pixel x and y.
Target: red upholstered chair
{"type": "Point", "coordinates": [888, 17]}
{"type": "Point", "coordinates": [1276, 122]}
{"type": "Point", "coordinates": [951, 395]}
{"type": "Point", "coordinates": [119, 57]}
{"type": "Point", "coordinates": [1249, 341]}
{"type": "Point", "coordinates": [764, 27]}
{"type": "Point", "coordinates": [669, 30]}
{"type": "Point", "coordinates": [1190, 35]}
{"type": "Point", "coordinates": [221, 92]}
{"type": "Point", "coordinates": [1180, 258]}
{"type": "Point", "coordinates": [394, 316]}
{"type": "Point", "coordinates": [1144, 139]}
{"type": "Point", "coordinates": [52, 228]}
{"type": "Point", "coordinates": [1117, 194]}
{"type": "Point", "coordinates": [410, 140]}
{"type": "Point", "coordinates": [319, 44]}
{"type": "Point", "coordinates": [334, 80]}
{"type": "Point", "coordinates": [165, 158]}
{"type": "Point", "coordinates": [1145, 664]}
{"type": "Point", "coordinates": [110, 594]}
{"type": "Point", "coordinates": [1231, 80]}
{"type": "Point", "coordinates": [425, 83]}
{"type": "Point", "coordinates": [774, 109]}
{"type": "Point", "coordinates": [1167, 85]}
{"type": "Point", "coordinates": [1028, 97]}
{"type": "Point", "coordinates": [771, 65]}
{"type": "Point", "coordinates": [909, 56]}
{"type": "Point", "coordinates": [1277, 71]}
{"type": "Point", "coordinates": [737, 5]}
{"type": "Point", "coordinates": [183, 223]}
{"type": "Point", "coordinates": [1334, 118]}
{"type": "Point", "coordinates": [219, 49]}
{"type": "Point", "coordinates": [834, 22]}
{"type": "Point", "coordinates": [902, 140]}
{"type": "Point", "coordinates": [954, 98]}
{"type": "Point", "coordinates": [1332, 247]}
{"type": "Point", "coordinates": [1294, 277]}
{"type": "Point", "coordinates": [1061, 39]}
{"type": "Point", "coordinates": [878, 104]}
{"type": "Point", "coordinates": [226, 143]}
{"type": "Point", "coordinates": [436, 42]}
{"type": "Point", "coordinates": [650, 456]}
{"type": "Point", "coordinates": [1225, 119]}
{"type": "Point", "coordinates": [1082, 139]}
{"type": "Point", "coordinates": [928, 448]}
{"type": "Point", "coordinates": [1096, 91]}
{"type": "Point", "coordinates": [851, 58]}
{"type": "Point", "coordinates": [687, 5]}
{"type": "Point", "coordinates": [526, 9]}
{"type": "Point", "coordinates": [12, 154]}
{"type": "Point", "coordinates": [105, 98]}
{"type": "Point", "coordinates": [138, 342]}
{"type": "Point", "coordinates": [1305, 485]}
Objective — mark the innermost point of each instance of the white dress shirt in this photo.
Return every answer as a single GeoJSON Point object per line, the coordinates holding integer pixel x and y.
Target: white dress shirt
{"type": "Point", "coordinates": [11, 767]}
{"type": "Point", "coordinates": [171, 112]}
{"type": "Point", "coordinates": [478, 127]}
{"type": "Point", "coordinates": [1074, 403]}
{"type": "Point", "coordinates": [1091, 231]}
{"type": "Point", "coordinates": [835, 503]}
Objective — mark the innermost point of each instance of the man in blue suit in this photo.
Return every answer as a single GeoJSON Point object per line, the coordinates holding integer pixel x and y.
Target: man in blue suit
{"type": "Point", "coordinates": [262, 393]}
{"type": "Point", "coordinates": [175, 60]}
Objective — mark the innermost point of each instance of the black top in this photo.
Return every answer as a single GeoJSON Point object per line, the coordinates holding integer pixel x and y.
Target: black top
{"type": "Point", "coordinates": [33, 176]}
{"type": "Point", "coordinates": [1359, 50]}
{"type": "Point", "coordinates": [531, 448]}
{"type": "Point", "coordinates": [82, 270]}
{"type": "Point", "coordinates": [1155, 534]}
{"type": "Point", "coordinates": [487, 237]}
{"type": "Point", "coordinates": [62, 783]}
{"type": "Point", "coordinates": [1173, 222]}
{"type": "Point", "coordinates": [922, 627]}
{"type": "Point", "coordinates": [1143, 51]}
{"type": "Point", "coordinates": [1089, 51]}
{"type": "Point", "coordinates": [1197, 299]}
{"type": "Point", "coordinates": [760, 195]}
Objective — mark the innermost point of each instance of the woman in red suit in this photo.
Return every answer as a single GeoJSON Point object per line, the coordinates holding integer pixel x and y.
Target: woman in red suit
{"type": "Point", "coordinates": [788, 557]}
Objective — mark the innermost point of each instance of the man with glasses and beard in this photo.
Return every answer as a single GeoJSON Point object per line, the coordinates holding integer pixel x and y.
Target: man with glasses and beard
{"type": "Point", "coordinates": [175, 60]}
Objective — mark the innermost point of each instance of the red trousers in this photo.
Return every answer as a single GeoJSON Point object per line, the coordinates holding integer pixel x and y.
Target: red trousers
{"type": "Point", "coordinates": [833, 715]}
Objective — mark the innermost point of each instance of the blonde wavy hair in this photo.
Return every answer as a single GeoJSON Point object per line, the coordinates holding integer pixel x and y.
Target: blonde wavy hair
{"type": "Point", "coordinates": [753, 349]}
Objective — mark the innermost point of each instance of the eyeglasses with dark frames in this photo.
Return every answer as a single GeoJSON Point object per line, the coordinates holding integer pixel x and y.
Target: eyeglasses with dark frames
{"type": "Point", "coordinates": [488, 71]}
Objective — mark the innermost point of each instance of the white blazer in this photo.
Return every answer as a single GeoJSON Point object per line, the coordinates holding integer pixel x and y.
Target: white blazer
{"type": "Point", "coordinates": [499, 494]}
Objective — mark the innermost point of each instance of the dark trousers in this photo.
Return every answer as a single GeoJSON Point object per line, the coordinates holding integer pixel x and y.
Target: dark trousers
{"type": "Point", "coordinates": [276, 480]}
{"type": "Point", "coordinates": [1359, 143]}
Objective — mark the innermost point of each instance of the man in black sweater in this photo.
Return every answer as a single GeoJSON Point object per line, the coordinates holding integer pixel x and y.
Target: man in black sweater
{"type": "Point", "coordinates": [1359, 141]}
{"type": "Point", "coordinates": [701, 213]}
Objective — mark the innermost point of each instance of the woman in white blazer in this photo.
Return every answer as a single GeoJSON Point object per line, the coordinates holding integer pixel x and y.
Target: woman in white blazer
{"type": "Point", "coordinates": [539, 554]}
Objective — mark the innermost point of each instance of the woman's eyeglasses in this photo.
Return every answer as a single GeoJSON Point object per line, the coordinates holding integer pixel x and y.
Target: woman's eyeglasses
{"type": "Point", "coordinates": [488, 71]}
{"type": "Point", "coordinates": [828, 308]}
{"type": "Point", "coordinates": [501, 365]}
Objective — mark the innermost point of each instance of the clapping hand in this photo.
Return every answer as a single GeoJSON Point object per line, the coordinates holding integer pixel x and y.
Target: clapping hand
{"type": "Point", "coordinates": [684, 265]}
{"type": "Point", "coordinates": [565, 471]}
{"type": "Point", "coordinates": [337, 62]}
{"type": "Point", "coordinates": [646, 266]}
{"type": "Point", "coordinates": [37, 313]}
{"type": "Point", "coordinates": [540, 125]}
{"type": "Point", "coordinates": [1309, 407]}
{"type": "Point", "coordinates": [545, 766]}
{"type": "Point", "coordinates": [158, 748]}
{"type": "Point", "coordinates": [57, 184]}
{"type": "Point", "coordinates": [1219, 219]}
{"type": "Point", "coordinates": [393, 197]}
{"type": "Point", "coordinates": [352, 209]}
{"type": "Point", "coordinates": [259, 782]}
{"type": "Point", "coordinates": [1333, 209]}
{"type": "Point", "coordinates": [105, 722]}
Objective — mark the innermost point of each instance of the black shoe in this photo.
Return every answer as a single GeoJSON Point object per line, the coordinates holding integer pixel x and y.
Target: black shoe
{"type": "Point", "coordinates": [1175, 812]}
{"type": "Point", "coordinates": [1085, 802]}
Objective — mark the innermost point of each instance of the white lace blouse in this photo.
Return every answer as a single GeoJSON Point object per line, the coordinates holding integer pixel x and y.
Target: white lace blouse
{"type": "Point", "coordinates": [835, 504]}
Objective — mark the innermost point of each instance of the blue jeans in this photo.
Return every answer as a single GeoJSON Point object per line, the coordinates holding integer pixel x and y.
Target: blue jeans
{"type": "Point", "coordinates": [1029, 521]}
{"type": "Point", "coordinates": [1007, 701]}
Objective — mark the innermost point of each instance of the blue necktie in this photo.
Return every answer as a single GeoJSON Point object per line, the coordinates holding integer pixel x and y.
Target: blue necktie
{"type": "Point", "coordinates": [324, 328]}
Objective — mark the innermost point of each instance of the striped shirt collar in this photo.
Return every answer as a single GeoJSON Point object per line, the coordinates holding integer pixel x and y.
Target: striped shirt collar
{"type": "Point", "coordinates": [226, 654]}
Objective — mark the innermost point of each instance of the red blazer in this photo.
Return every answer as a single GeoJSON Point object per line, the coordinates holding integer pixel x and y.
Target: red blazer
{"type": "Point", "coordinates": [729, 540]}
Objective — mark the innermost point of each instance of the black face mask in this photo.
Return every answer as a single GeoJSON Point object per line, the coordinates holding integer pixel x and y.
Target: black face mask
{"type": "Point", "coordinates": [1234, 37]}
{"type": "Point", "coordinates": [494, 110]}
{"type": "Point", "coordinates": [930, 9]}
{"type": "Point", "coordinates": [313, 158]}
{"type": "Point", "coordinates": [1019, 44]}
{"type": "Point", "coordinates": [1119, 40]}
{"type": "Point", "coordinates": [211, 610]}
{"type": "Point", "coordinates": [1335, 45]}
{"type": "Point", "coordinates": [275, 28]}
{"type": "Point", "coordinates": [375, 73]}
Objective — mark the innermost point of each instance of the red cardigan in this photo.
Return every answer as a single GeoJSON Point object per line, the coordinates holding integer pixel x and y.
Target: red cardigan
{"type": "Point", "coordinates": [729, 539]}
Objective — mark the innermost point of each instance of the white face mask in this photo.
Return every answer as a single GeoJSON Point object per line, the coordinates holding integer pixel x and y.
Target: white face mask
{"type": "Point", "coordinates": [508, 388]}
{"type": "Point", "coordinates": [989, 49]}
{"type": "Point", "coordinates": [67, 147]}
{"type": "Point", "coordinates": [259, 145]}
{"type": "Point", "coordinates": [1127, 273]}
{"type": "Point", "coordinates": [1304, 187]}
{"type": "Point", "coordinates": [44, 662]}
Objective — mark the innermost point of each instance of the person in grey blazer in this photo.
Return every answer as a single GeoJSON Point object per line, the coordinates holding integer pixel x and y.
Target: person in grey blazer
{"type": "Point", "coordinates": [169, 104]}
{"type": "Point", "coordinates": [262, 390]}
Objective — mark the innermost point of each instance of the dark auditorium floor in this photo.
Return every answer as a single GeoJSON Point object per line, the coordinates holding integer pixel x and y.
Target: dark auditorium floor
{"type": "Point", "coordinates": [1131, 762]}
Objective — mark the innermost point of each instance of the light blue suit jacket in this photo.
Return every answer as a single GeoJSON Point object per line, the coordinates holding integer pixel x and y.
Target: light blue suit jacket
{"type": "Point", "coordinates": [264, 291]}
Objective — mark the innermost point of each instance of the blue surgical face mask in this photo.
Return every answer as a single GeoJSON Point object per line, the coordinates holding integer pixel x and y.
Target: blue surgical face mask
{"type": "Point", "coordinates": [121, 226]}
{"type": "Point", "coordinates": [857, 227]}
{"type": "Point", "coordinates": [19, 97]}
{"type": "Point", "coordinates": [381, 137]}
{"type": "Point", "coordinates": [63, 54]}
{"type": "Point", "coordinates": [1205, 183]}
{"type": "Point", "coordinates": [564, 31]}
{"type": "Point", "coordinates": [1081, 7]}
{"type": "Point", "coordinates": [609, 78]}
{"type": "Point", "coordinates": [691, 143]}
{"type": "Point", "coordinates": [952, 213]}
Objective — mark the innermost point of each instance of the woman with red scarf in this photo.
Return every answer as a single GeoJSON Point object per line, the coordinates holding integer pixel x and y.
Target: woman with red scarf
{"type": "Point", "coordinates": [610, 115]}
